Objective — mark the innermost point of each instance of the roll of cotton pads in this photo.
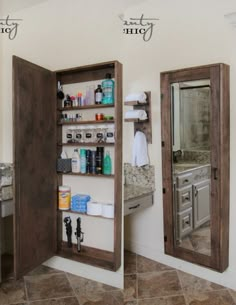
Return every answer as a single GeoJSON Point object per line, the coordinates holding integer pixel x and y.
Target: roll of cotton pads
{"type": "Point", "coordinates": [94, 208]}
{"type": "Point", "coordinates": [108, 210]}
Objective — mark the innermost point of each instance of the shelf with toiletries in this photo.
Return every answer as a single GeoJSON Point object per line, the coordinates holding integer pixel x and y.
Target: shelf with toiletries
{"type": "Point", "coordinates": [86, 144]}
{"type": "Point", "coordinates": [87, 122]}
{"type": "Point", "coordinates": [141, 114]}
{"type": "Point", "coordinates": [88, 175]}
{"type": "Point", "coordinates": [85, 214]}
{"type": "Point", "coordinates": [135, 121]}
{"type": "Point", "coordinates": [86, 107]}
{"type": "Point", "coordinates": [102, 120]}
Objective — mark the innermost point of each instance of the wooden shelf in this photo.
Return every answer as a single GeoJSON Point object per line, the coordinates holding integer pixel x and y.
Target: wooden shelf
{"type": "Point", "coordinates": [88, 175]}
{"type": "Point", "coordinates": [135, 103]}
{"type": "Point", "coordinates": [85, 214]}
{"type": "Point", "coordinates": [88, 255]}
{"type": "Point", "coordinates": [87, 122]}
{"type": "Point", "coordinates": [136, 121]}
{"type": "Point", "coordinates": [142, 125]}
{"type": "Point", "coordinates": [86, 144]}
{"type": "Point", "coordinates": [86, 107]}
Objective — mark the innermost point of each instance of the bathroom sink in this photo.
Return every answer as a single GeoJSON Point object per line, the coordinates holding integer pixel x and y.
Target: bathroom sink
{"type": "Point", "coordinates": [185, 165]}
{"type": "Point", "coordinates": [180, 167]}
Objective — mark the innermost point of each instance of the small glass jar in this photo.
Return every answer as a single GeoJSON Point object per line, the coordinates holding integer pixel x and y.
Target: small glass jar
{"type": "Point", "coordinates": [79, 134]}
{"type": "Point", "coordinates": [69, 135]}
{"type": "Point", "coordinates": [89, 134]}
{"type": "Point", "coordinates": [110, 134]}
{"type": "Point", "coordinates": [100, 134]}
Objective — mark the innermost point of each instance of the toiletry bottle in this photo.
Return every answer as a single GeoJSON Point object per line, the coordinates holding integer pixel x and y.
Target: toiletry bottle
{"type": "Point", "coordinates": [83, 161]}
{"type": "Point", "coordinates": [68, 101]}
{"type": "Point", "coordinates": [88, 160]}
{"type": "Point", "coordinates": [108, 90]}
{"type": "Point", "coordinates": [107, 164]}
{"type": "Point", "coordinates": [98, 95]}
{"type": "Point", "coordinates": [75, 162]}
{"type": "Point", "coordinates": [99, 160]}
{"type": "Point", "coordinates": [79, 99]}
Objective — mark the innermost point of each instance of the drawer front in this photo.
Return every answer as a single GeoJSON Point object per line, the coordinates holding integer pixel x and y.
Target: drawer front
{"type": "Point", "coordinates": [137, 204]}
{"type": "Point", "coordinates": [184, 180]}
{"type": "Point", "coordinates": [185, 223]}
{"type": "Point", "coordinates": [184, 198]}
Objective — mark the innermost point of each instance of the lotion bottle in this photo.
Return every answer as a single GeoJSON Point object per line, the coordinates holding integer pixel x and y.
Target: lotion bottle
{"type": "Point", "coordinates": [75, 162]}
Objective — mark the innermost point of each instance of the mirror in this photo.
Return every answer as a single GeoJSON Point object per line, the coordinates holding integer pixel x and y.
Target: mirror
{"type": "Point", "coordinates": [191, 168]}
{"type": "Point", "coordinates": [195, 164]}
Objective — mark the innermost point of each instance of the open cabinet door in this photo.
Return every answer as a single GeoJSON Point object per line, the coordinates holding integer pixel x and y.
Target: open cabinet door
{"type": "Point", "coordinates": [35, 187]}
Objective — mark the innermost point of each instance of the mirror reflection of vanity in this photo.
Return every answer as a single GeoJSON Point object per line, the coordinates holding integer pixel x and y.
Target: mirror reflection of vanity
{"type": "Point", "coordinates": [195, 154]}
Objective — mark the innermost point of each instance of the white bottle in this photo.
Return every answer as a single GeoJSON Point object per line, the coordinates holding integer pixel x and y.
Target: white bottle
{"type": "Point", "coordinates": [75, 162]}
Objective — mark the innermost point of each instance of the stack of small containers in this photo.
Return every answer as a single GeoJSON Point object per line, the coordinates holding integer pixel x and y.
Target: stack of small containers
{"type": "Point", "coordinates": [79, 203]}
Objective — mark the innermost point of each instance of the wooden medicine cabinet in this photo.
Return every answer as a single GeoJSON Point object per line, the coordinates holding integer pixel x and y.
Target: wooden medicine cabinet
{"type": "Point", "coordinates": [38, 142]}
{"type": "Point", "coordinates": [195, 162]}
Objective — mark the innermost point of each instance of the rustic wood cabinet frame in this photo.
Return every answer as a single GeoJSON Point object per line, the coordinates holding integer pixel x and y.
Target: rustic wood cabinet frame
{"type": "Point", "coordinates": [219, 135]}
{"type": "Point", "coordinates": [37, 140]}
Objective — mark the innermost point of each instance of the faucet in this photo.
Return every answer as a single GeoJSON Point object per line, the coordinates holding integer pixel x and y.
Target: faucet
{"type": "Point", "coordinates": [177, 153]}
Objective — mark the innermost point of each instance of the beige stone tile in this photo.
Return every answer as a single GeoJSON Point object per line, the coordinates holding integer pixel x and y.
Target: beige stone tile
{"type": "Point", "coordinates": [233, 294]}
{"type": "Point", "coordinates": [48, 286]}
{"type": "Point", "coordinates": [174, 300]}
{"type": "Point", "coordinates": [43, 270]}
{"type": "Point", "coordinates": [147, 265]}
{"type": "Point", "coordinates": [130, 263]}
{"type": "Point", "coordinates": [12, 292]}
{"type": "Point", "coordinates": [92, 292]}
{"type": "Point", "coordinates": [220, 297]}
{"type": "Point", "coordinates": [62, 301]}
{"type": "Point", "coordinates": [158, 284]}
{"type": "Point", "coordinates": [192, 284]}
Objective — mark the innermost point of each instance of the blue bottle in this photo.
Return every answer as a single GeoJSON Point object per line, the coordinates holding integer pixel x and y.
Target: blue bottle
{"type": "Point", "coordinates": [83, 161]}
{"type": "Point", "coordinates": [108, 90]}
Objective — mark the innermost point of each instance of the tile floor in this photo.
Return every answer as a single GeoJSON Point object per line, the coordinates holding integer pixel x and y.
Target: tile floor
{"type": "Point", "coordinates": [146, 283]}
{"type": "Point", "coordinates": [199, 240]}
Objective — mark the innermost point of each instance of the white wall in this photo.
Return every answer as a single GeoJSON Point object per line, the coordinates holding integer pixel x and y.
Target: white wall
{"type": "Point", "coordinates": [189, 33]}
{"type": "Point", "coordinates": [59, 34]}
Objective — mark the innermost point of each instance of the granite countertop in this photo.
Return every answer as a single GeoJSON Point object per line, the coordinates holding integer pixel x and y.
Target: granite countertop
{"type": "Point", "coordinates": [6, 181]}
{"type": "Point", "coordinates": [132, 191]}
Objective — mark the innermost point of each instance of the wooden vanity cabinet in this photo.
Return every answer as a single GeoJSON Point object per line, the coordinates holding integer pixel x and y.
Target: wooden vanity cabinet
{"type": "Point", "coordinates": [37, 144]}
{"type": "Point", "coordinates": [192, 198]}
{"type": "Point", "coordinates": [201, 194]}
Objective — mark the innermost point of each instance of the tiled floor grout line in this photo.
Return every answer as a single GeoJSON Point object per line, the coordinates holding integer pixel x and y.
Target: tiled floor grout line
{"type": "Point", "coordinates": [48, 299]}
{"type": "Point", "coordinates": [181, 285]}
{"type": "Point", "coordinates": [77, 297]}
{"type": "Point", "coordinates": [233, 298]}
{"type": "Point", "coordinates": [26, 290]}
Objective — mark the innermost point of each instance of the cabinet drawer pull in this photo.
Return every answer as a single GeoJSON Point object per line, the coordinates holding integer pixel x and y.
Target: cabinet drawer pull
{"type": "Point", "coordinates": [186, 198]}
{"type": "Point", "coordinates": [186, 180]}
{"type": "Point", "coordinates": [134, 207]}
{"type": "Point", "coordinates": [215, 173]}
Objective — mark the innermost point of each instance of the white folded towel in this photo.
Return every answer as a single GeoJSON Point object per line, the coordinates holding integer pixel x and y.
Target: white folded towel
{"type": "Point", "coordinates": [141, 97]}
{"type": "Point", "coordinates": [136, 114]}
{"type": "Point", "coordinates": [140, 151]}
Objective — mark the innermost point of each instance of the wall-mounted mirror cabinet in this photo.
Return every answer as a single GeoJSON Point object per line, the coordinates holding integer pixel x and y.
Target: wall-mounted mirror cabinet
{"type": "Point", "coordinates": [195, 159]}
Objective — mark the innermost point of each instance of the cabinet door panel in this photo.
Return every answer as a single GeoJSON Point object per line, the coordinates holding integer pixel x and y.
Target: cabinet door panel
{"type": "Point", "coordinates": [34, 107]}
{"type": "Point", "coordinates": [201, 203]}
